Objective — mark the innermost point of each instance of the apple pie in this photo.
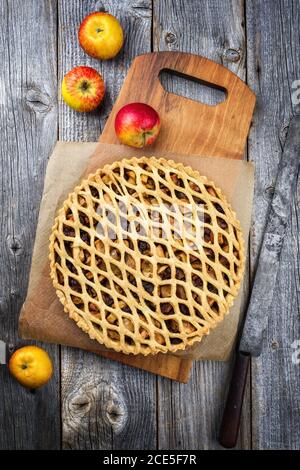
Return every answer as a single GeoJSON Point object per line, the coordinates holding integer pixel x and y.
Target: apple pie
{"type": "Point", "coordinates": [146, 256]}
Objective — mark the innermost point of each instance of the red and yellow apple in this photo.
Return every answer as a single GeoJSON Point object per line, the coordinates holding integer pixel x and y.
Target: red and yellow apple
{"type": "Point", "coordinates": [101, 35]}
{"type": "Point", "coordinates": [137, 125]}
{"type": "Point", "coordinates": [83, 88]}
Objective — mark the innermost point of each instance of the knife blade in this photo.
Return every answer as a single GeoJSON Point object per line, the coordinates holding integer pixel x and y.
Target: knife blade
{"type": "Point", "coordinates": [264, 282]}
{"type": "Point", "coordinates": [3, 352]}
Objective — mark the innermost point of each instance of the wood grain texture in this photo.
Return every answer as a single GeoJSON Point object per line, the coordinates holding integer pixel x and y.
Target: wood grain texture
{"type": "Point", "coordinates": [187, 125]}
{"type": "Point", "coordinates": [121, 407]}
{"type": "Point", "coordinates": [190, 415]}
{"type": "Point", "coordinates": [106, 405]}
{"type": "Point", "coordinates": [28, 117]}
{"type": "Point", "coordinates": [273, 65]}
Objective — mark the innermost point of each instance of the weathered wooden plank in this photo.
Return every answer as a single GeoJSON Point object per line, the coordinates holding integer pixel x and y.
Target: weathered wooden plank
{"type": "Point", "coordinates": [189, 415]}
{"type": "Point", "coordinates": [273, 64]}
{"type": "Point", "coordinates": [104, 405]}
{"type": "Point", "coordinates": [28, 130]}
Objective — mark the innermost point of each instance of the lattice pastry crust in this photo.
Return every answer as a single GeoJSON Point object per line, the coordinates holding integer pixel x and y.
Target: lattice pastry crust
{"type": "Point", "coordinates": [146, 256]}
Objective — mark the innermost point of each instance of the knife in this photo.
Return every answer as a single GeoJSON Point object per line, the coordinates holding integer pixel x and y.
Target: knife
{"type": "Point", "coordinates": [3, 352]}
{"type": "Point", "coordinates": [256, 318]}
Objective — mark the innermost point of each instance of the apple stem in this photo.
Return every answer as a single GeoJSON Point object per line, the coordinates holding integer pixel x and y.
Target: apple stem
{"type": "Point", "coordinates": [145, 134]}
{"type": "Point", "coordinates": [144, 138]}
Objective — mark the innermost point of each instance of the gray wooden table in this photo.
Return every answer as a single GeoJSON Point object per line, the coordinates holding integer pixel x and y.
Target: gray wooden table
{"type": "Point", "coordinates": [93, 403]}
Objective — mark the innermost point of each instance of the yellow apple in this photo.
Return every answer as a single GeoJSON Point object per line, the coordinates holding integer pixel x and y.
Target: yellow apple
{"type": "Point", "coordinates": [101, 35]}
{"type": "Point", "coordinates": [31, 366]}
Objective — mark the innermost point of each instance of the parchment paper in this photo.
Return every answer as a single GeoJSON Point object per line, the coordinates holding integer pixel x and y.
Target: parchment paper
{"type": "Point", "coordinates": [42, 316]}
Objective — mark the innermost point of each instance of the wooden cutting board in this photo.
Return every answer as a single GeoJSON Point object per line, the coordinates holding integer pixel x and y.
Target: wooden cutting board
{"type": "Point", "coordinates": [188, 127]}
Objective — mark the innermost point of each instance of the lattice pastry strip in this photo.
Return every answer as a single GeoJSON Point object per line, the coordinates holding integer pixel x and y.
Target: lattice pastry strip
{"type": "Point", "coordinates": [146, 256]}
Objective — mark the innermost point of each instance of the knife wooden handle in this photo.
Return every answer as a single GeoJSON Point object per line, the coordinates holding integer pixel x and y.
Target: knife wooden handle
{"type": "Point", "coordinates": [232, 413]}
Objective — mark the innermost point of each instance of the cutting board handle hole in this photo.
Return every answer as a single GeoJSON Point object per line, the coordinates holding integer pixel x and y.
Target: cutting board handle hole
{"type": "Point", "coordinates": [192, 88]}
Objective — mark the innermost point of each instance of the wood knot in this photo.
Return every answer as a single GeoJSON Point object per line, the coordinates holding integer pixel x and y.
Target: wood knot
{"type": "Point", "coordinates": [232, 55]}
{"type": "Point", "coordinates": [81, 406]}
{"type": "Point", "coordinates": [14, 244]}
{"type": "Point", "coordinates": [170, 38]}
{"type": "Point", "coordinates": [115, 413]}
{"type": "Point", "coordinates": [274, 345]}
{"type": "Point", "coordinates": [90, 406]}
{"type": "Point", "coordinates": [283, 132]}
{"type": "Point", "coordinates": [38, 101]}
{"type": "Point", "coordinates": [269, 192]}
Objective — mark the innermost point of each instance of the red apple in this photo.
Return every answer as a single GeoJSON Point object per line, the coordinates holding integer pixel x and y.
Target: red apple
{"type": "Point", "coordinates": [83, 88]}
{"type": "Point", "coordinates": [101, 35]}
{"type": "Point", "coordinates": [137, 125]}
